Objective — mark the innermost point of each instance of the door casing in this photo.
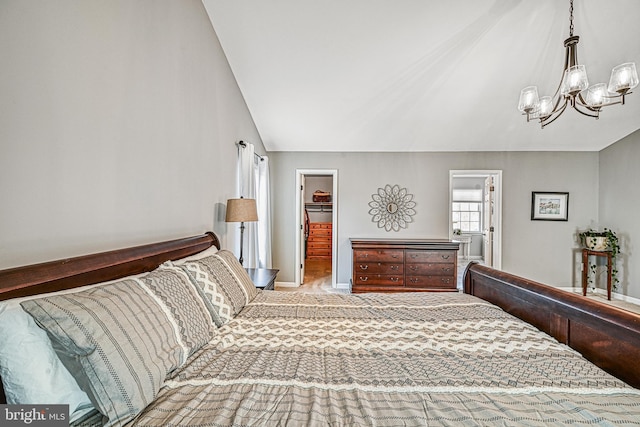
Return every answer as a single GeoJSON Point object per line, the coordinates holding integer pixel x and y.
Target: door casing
{"type": "Point", "coordinates": [299, 261]}
{"type": "Point", "coordinates": [497, 218]}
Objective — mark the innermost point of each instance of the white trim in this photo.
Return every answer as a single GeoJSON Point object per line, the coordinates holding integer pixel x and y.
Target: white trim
{"type": "Point", "coordinates": [343, 286]}
{"type": "Point", "coordinates": [497, 175]}
{"type": "Point", "coordinates": [334, 219]}
{"type": "Point", "coordinates": [614, 295]}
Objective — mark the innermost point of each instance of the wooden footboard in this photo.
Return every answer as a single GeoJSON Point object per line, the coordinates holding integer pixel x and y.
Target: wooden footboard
{"type": "Point", "coordinates": [607, 336]}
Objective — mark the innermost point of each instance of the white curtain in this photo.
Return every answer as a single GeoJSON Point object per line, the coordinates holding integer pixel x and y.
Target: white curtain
{"type": "Point", "coordinates": [263, 200]}
{"type": "Point", "coordinates": [253, 182]}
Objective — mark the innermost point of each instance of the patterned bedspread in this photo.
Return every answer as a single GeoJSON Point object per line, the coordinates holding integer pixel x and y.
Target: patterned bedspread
{"type": "Point", "coordinates": [291, 359]}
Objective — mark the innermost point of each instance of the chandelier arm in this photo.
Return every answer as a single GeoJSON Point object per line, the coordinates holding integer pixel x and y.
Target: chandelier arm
{"type": "Point", "coordinates": [584, 113]}
{"type": "Point", "coordinates": [556, 106]}
{"type": "Point", "coordinates": [554, 116]}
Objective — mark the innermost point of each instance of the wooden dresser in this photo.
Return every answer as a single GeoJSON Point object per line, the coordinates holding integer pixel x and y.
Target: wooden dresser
{"type": "Point", "coordinates": [403, 265]}
{"type": "Point", "coordinates": [319, 241]}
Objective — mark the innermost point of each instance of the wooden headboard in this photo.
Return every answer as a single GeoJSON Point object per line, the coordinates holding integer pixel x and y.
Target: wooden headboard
{"type": "Point", "coordinates": [89, 269]}
{"type": "Point", "coordinates": [607, 336]}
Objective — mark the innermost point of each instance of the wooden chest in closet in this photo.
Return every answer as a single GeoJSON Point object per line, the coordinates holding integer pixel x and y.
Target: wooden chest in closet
{"type": "Point", "coordinates": [319, 241]}
{"type": "Point", "coordinates": [403, 265]}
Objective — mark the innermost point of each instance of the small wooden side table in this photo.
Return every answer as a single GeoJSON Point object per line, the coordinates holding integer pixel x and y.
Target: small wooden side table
{"type": "Point", "coordinates": [585, 269]}
{"type": "Point", "coordinates": [263, 278]}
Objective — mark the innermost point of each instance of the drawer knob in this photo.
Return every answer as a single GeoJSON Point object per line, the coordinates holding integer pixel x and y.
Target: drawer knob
{"type": "Point", "coordinates": [363, 266]}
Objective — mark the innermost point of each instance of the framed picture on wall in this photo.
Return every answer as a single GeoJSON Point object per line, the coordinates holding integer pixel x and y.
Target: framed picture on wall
{"type": "Point", "coordinates": [549, 206]}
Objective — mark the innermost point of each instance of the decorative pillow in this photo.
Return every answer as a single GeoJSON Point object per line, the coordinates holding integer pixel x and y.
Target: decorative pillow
{"type": "Point", "coordinates": [121, 340]}
{"type": "Point", "coordinates": [31, 371]}
{"type": "Point", "coordinates": [224, 283]}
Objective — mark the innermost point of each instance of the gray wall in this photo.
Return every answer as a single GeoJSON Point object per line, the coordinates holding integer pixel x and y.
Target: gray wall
{"type": "Point", "coordinates": [117, 126]}
{"type": "Point", "coordinates": [619, 206]}
{"type": "Point", "coordinates": [540, 250]}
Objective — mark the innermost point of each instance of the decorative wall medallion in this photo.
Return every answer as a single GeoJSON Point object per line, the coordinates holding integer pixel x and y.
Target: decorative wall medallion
{"type": "Point", "coordinates": [392, 208]}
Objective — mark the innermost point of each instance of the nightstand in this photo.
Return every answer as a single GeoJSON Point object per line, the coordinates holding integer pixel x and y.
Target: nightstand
{"type": "Point", "coordinates": [263, 278]}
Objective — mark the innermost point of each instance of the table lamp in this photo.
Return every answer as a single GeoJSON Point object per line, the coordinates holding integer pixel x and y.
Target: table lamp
{"type": "Point", "coordinates": [241, 210]}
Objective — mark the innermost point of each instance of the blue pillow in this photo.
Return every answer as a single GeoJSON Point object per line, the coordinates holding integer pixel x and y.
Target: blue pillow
{"type": "Point", "coordinates": [31, 370]}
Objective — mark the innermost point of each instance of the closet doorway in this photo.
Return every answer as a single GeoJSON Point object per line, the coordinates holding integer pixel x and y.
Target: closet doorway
{"type": "Point", "coordinates": [316, 211]}
{"type": "Point", "coordinates": [475, 215]}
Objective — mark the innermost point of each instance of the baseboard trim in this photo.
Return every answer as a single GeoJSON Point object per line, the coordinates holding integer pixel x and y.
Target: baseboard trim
{"type": "Point", "coordinates": [614, 295]}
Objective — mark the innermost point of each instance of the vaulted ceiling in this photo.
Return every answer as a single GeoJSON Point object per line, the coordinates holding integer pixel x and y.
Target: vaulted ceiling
{"type": "Point", "coordinates": [422, 75]}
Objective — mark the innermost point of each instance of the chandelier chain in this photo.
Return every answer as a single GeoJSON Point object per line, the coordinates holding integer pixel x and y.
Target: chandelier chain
{"type": "Point", "coordinates": [571, 18]}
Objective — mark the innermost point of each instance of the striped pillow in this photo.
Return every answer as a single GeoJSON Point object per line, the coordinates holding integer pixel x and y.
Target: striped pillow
{"type": "Point", "coordinates": [121, 340]}
{"type": "Point", "coordinates": [225, 284]}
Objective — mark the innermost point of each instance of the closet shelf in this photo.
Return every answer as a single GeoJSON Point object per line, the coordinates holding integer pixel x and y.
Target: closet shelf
{"type": "Point", "coordinates": [319, 207]}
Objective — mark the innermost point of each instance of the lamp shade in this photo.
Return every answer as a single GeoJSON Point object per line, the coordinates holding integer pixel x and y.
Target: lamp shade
{"type": "Point", "coordinates": [528, 99]}
{"type": "Point", "coordinates": [241, 210]}
{"type": "Point", "coordinates": [623, 78]}
{"type": "Point", "coordinates": [597, 95]}
{"type": "Point", "coordinates": [575, 80]}
{"type": "Point", "coordinates": [545, 106]}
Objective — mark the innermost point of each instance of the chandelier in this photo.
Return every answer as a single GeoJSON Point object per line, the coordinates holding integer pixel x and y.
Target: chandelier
{"type": "Point", "coordinates": [574, 88]}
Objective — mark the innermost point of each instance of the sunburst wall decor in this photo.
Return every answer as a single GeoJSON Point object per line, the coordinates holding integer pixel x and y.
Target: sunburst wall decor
{"type": "Point", "coordinates": [392, 208]}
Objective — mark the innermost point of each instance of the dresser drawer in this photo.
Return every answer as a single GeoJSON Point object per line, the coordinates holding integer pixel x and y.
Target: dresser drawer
{"type": "Point", "coordinates": [436, 282]}
{"type": "Point", "coordinates": [430, 256]}
{"type": "Point", "coordinates": [319, 253]}
{"type": "Point", "coordinates": [319, 244]}
{"type": "Point", "coordinates": [378, 279]}
{"type": "Point", "coordinates": [320, 232]}
{"type": "Point", "coordinates": [378, 255]}
{"type": "Point", "coordinates": [378, 267]}
{"type": "Point", "coordinates": [431, 269]}
{"type": "Point", "coordinates": [320, 226]}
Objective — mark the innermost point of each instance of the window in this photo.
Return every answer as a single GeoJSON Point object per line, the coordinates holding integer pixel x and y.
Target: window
{"type": "Point", "coordinates": [466, 210]}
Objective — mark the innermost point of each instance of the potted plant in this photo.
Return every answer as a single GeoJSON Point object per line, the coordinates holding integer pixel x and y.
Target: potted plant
{"type": "Point", "coordinates": [602, 241]}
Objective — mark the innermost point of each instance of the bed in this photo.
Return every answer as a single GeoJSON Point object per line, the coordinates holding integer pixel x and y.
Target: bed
{"type": "Point", "coordinates": [240, 356]}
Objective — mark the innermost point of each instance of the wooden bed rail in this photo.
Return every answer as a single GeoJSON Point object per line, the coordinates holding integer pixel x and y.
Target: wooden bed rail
{"type": "Point", "coordinates": [607, 336]}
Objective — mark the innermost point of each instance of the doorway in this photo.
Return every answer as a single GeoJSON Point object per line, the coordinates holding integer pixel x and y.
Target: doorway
{"type": "Point", "coordinates": [475, 215]}
{"type": "Point", "coordinates": [317, 225]}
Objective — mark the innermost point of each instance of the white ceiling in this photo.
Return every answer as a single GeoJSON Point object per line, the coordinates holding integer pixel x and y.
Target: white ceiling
{"type": "Point", "coordinates": [421, 75]}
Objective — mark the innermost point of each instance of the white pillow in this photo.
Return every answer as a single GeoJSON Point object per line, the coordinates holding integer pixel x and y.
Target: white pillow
{"type": "Point", "coordinates": [207, 252]}
{"type": "Point", "coordinates": [31, 370]}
